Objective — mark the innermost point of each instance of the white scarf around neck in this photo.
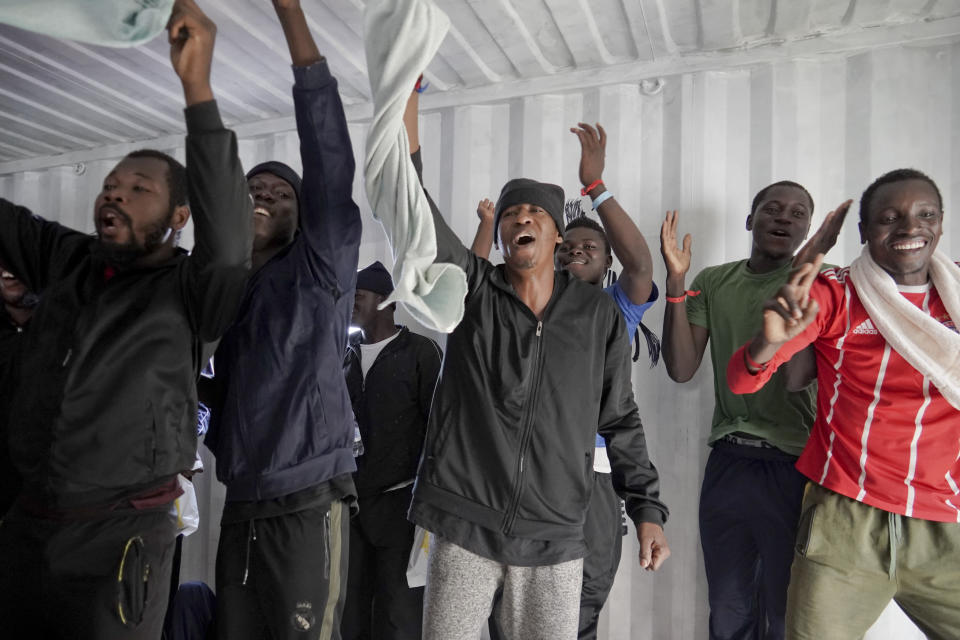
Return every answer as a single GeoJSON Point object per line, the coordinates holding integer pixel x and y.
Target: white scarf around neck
{"type": "Point", "coordinates": [929, 346]}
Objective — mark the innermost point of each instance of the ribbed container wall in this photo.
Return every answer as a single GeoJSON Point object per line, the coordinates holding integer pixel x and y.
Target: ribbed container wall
{"type": "Point", "coordinates": [702, 143]}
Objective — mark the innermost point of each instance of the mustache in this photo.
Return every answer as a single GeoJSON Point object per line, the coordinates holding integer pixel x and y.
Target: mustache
{"type": "Point", "coordinates": [123, 215]}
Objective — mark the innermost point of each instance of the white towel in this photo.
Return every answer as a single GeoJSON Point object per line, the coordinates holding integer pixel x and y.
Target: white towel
{"type": "Point", "coordinates": [109, 23]}
{"type": "Point", "coordinates": [401, 37]}
{"type": "Point", "coordinates": [929, 346]}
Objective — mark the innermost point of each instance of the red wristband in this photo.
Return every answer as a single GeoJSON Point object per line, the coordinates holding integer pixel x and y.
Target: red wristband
{"type": "Point", "coordinates": [590, 187]}
{"type": "Point", "coordinates": [681, 298]}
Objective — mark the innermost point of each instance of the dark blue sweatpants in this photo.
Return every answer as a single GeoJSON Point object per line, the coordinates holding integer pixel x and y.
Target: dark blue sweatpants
{"type": "Point", "coordinates": [749, 509]}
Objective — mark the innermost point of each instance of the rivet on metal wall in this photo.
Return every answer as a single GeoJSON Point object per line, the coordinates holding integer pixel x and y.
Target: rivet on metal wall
{"type": "Point", "coordinates": [79, 168]}
{"type": "Point", "coordinates": [652, 87]}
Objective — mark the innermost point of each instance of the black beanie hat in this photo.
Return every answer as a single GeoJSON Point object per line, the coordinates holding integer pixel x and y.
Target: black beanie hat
{"type": "Point", "coordinates": [282, 171]}
{"type": "Point", "coordinates": [375, 278]}
{"type": "Point", "coordinates": [525, 191]}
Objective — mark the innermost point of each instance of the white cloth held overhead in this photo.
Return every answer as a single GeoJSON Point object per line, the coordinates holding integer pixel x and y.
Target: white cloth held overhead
{"type": "Point", "coordinates": [930, 347]}
{"type": "Point", "coordinates": [109, 23]}
{"type": "Point", "coordinates": [401, 37]}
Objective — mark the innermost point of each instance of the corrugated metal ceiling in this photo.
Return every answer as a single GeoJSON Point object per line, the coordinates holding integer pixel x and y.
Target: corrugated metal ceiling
{"type": "Point", "coordinates": [58, 97]}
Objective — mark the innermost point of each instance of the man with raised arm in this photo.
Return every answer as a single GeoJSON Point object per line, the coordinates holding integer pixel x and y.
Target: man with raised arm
{"type": "Point", "coordinates": [587, 253]}
{"type": "Point", "coordinates": [538, 366]}
{"type": "Point", "coordinates": [881, 514]}
{"type": "Point", "coordinates": [750, 501]}
{"type": "Point", "coordinates": [281, 427]}
{"type": "Point", "coordinates": [106, 406]}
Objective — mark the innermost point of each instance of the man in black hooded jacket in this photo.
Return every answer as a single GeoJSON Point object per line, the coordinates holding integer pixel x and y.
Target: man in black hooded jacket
{"type": "Point", "coordinates": [391, 374]}
{"type": "Point", "coordinates": [106, 407]}
{"type": "Point", "coordinates": [539, 364]}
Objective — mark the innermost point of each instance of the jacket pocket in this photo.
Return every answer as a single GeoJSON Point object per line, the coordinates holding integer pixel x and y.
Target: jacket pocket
{"type": "Point", "coordinates": [133, 580]}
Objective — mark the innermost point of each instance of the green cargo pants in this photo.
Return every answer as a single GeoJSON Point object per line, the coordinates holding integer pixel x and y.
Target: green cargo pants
{"type": "Point", "coordinates": [851, 559]}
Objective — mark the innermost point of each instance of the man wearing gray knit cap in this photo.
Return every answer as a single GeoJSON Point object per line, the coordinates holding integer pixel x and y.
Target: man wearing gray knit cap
{"type": "Point", "coordinates": [538, 366]}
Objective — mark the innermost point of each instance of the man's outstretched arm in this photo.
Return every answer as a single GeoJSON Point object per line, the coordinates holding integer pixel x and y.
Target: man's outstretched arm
{"type": "Point", "coordinates": [683, 342]}
{"type": "Point", "coordinates": [634, 476]}
{"type": "Point", "coordinates": [329, 218]}
{"type": "Point", "coordinates": [483, 239]}
{"type": "Point", "coordinates": [449, 247]}
{"type": "Point", "coordinates": [217, 191]}
{"type": "Point", "coordinates": [625, 239]}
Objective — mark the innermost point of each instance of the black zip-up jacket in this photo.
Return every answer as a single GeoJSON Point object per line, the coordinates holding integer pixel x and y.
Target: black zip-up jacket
{"type": "Point", "coordinates": [11, 336]}
{"type": "Point", "coordinates": [511, 436]}
{"type": "Point", "coordinates": [107, 406]}
{"type": "Point", "coordinates": [392, 405]}
{"type": "Point", "coordinates": [280, 417]}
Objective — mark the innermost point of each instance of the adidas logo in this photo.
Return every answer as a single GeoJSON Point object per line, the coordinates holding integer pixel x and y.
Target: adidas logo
{"type": "Point", "coordinates": [866, 328]}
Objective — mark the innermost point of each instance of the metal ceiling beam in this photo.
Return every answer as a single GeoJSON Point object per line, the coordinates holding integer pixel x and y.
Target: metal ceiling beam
{"type": "Point", "coordinates": [841, 43]}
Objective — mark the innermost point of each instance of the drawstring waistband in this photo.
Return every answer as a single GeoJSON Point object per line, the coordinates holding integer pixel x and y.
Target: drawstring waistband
{"type": "Point", "coordinates": [895, 531]}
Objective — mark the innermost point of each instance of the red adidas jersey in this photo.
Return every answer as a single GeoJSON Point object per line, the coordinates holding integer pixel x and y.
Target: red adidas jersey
{"type": "Point", "coordinates": [883, 435]}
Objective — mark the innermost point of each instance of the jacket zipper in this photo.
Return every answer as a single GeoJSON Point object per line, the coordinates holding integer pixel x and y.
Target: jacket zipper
{"type": "Point", "coordinates": [358, 354]}
{"type": "Point", "coordinates": [511, 515]}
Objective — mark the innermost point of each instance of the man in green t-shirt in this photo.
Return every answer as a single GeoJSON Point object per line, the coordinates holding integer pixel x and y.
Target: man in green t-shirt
{"type": "Point", "coordinates": [751, 495]}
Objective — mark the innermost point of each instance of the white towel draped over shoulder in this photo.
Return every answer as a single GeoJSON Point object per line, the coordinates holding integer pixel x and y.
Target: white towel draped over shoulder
{"type": "Point", "coordinates": [109, 23]}
{"type": "Point", "coordinates": [929, 346]}
{"type": "Point", "coordinates": [401, 37]}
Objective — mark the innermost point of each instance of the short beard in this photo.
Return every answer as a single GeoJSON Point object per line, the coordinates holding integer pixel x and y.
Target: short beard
{"type": "Point", "coordinates": [124, 255]}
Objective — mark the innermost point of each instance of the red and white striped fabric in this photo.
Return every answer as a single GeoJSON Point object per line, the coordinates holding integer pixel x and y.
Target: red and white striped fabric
{"type": "Point", "coordinates": [883, 435]}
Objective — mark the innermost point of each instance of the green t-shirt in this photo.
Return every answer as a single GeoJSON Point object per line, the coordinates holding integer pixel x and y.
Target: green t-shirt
{"type": "Point", "coordinates": [729, 308]}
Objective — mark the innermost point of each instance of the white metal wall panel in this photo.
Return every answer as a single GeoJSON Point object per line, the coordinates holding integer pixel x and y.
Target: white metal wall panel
{"type": "Point", "coordinates": [703, 144]}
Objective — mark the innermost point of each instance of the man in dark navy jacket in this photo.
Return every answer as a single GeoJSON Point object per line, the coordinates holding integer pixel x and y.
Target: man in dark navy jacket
{"type": "Point", "coordinates": [282, 427]}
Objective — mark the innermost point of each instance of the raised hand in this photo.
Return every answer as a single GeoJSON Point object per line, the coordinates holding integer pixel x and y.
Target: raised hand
{"type": "Point", "coordinates": [654, 549]}
{"type": "Point", "coordinates": [676, 259]}
{"type": "Point", "coordinates": [791, 310]}
{"type": "Point", "coordinates": [593, 149]}
{"type": "Point", "coordinates": [191, 35]}
{"type": "Point", "coordinates": [825, 237]}
{"type": "Point", "coordinates": [300, 42]}
{"type": "Point", "coordinates": [485, 210]}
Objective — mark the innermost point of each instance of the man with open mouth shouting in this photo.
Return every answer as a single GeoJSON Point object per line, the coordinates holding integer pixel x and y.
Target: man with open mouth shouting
{"type": "Point", "coordinates": [538, 366]}
{"type": "Point", "coordinates": [105, 412]}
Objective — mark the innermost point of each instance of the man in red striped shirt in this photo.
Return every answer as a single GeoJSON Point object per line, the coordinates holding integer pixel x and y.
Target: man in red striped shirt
{"type": "Point", "coordinates": [881, 520]}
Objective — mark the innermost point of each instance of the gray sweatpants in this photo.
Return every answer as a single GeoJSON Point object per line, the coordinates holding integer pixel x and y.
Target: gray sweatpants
{"type": "Point", "coordinates": [538, 603]}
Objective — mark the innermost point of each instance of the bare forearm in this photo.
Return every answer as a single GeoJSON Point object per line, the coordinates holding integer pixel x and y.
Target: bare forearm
{"type": "Point", "coordinates": [303, 48]}
{"type": "Point", "coordinates": [483, 240]}
{"type": "Point", "coordinates": [629, 246]}
{"type": "Point", "coordinates": [411, 121]}
{"type": "Point", "coordinates": [761, 350]}
{"type": "Point", "coordinates": [681, 354]}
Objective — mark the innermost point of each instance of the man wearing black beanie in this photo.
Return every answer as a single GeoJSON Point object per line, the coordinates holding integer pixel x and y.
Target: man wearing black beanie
{"type": "Point", "coordinates": [281, 424]}
{"type": "Point", "coordinates": [391, 374]}
{"type": "Point", "coordinates": [539, 364]}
